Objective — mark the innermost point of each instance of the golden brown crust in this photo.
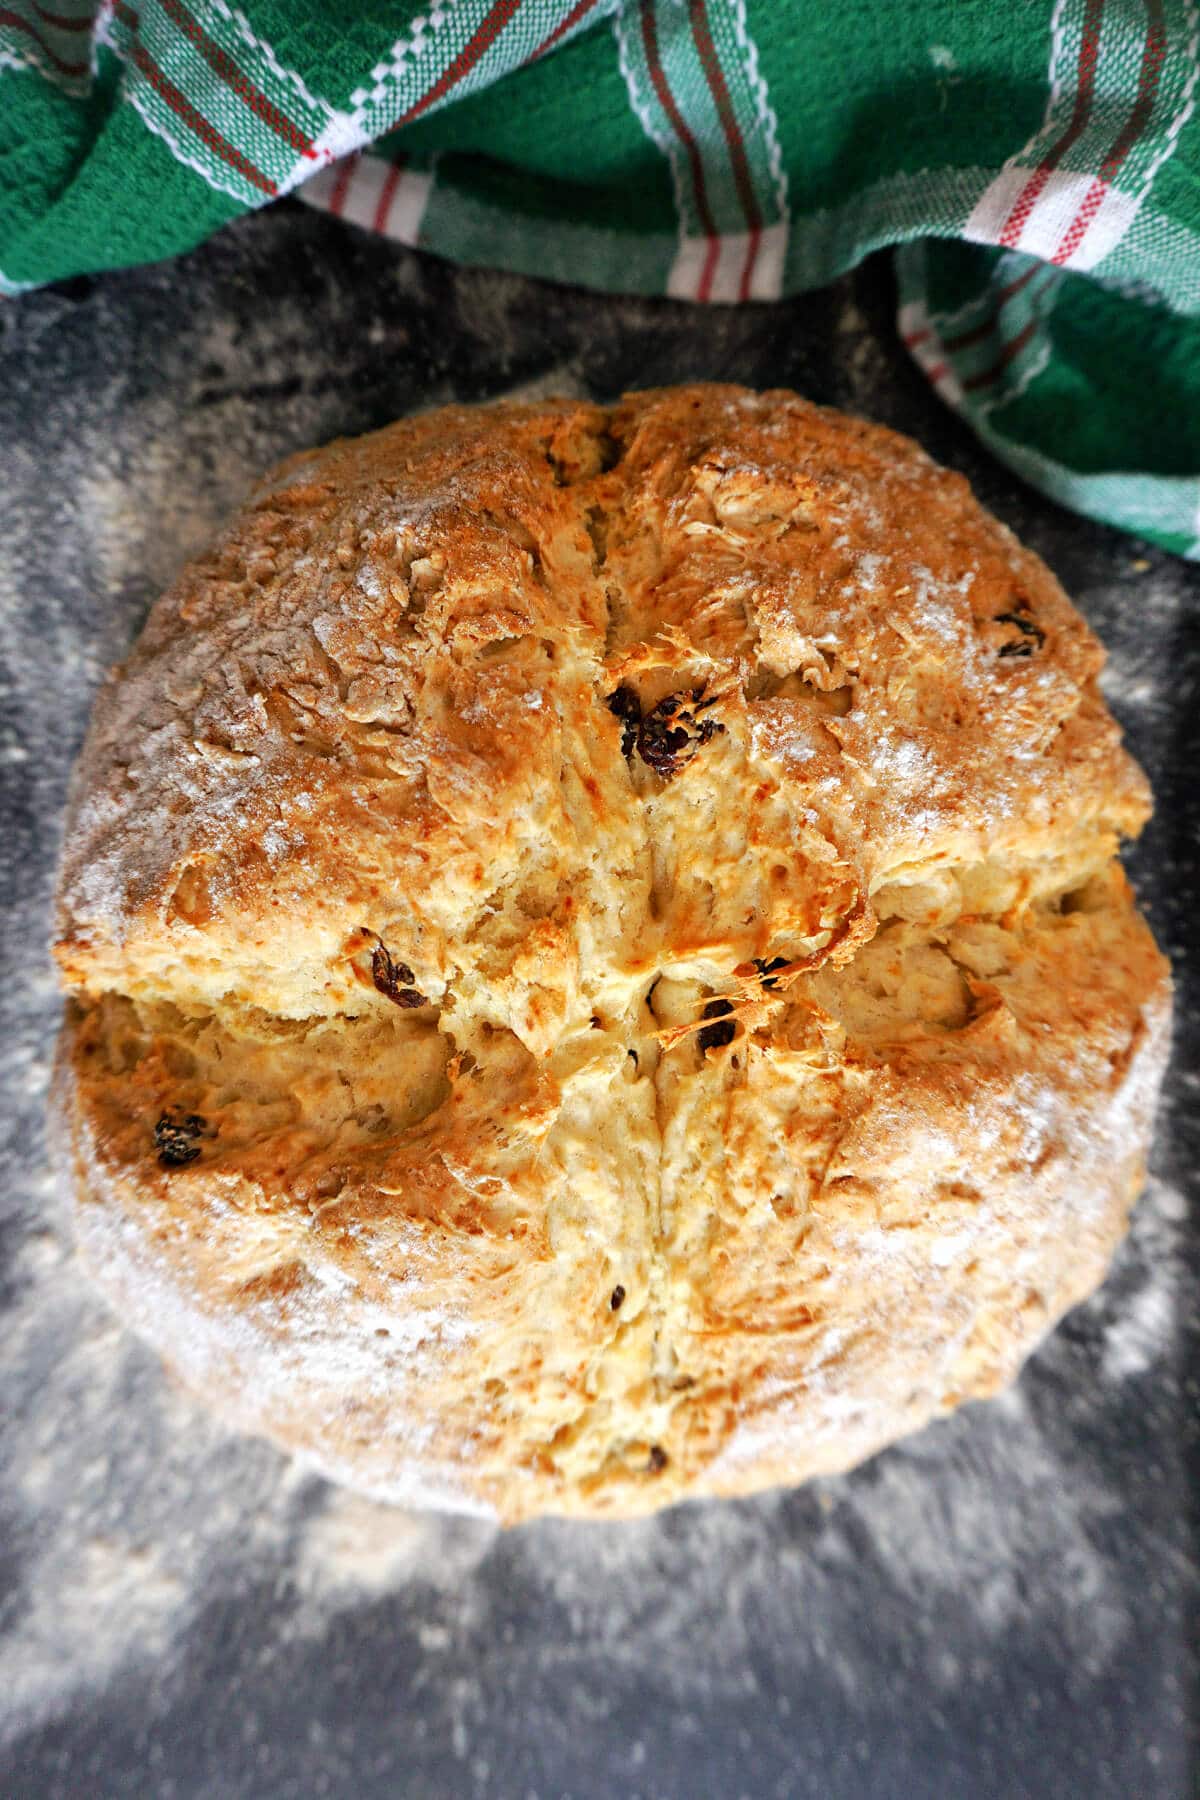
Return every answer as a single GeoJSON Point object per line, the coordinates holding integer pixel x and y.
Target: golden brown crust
{"type": "Point", "coordinates": [617, 909]}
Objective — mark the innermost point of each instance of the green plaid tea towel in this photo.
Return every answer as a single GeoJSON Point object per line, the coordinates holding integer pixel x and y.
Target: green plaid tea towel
{"type": "Point", "coordinates": [1037, 163]}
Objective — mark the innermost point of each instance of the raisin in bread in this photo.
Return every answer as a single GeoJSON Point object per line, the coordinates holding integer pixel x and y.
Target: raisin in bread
{"type": "Point", "coordinates": [598, 968]}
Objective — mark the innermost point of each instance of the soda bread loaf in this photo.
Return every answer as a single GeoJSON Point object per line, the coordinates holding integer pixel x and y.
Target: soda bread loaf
{"type": "Point", "coordinates": [598, 971]}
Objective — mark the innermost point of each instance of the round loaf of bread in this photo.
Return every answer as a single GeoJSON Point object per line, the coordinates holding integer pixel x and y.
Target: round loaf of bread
{"type": "Point", "coordinates": [598, 971]}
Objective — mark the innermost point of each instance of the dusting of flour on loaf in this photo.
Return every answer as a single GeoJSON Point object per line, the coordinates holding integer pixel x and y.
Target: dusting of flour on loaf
{"type": "Point", "coordinates": [285, 761]}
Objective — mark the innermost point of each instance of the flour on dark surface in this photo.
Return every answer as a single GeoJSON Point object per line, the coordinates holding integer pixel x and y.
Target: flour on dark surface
{"type": "Point", "coordinates": [996, 1607]}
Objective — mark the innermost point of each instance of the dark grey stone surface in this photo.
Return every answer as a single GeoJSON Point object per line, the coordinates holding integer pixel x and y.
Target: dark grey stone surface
{"type": "Point", "coordinates": [999, 1607]}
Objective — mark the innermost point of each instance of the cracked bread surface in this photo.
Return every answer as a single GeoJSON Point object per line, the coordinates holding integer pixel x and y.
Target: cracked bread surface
{"type": "Point", "coordinates": [598, 971]}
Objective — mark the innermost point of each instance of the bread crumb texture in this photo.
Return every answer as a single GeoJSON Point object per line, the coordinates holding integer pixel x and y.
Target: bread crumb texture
{"type": "Point", "coordinates": [598, 966]}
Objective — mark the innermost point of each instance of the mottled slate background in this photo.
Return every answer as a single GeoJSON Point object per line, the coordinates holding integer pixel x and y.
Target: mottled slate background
{"type": "Point", "coordinates": [999, 1607]}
